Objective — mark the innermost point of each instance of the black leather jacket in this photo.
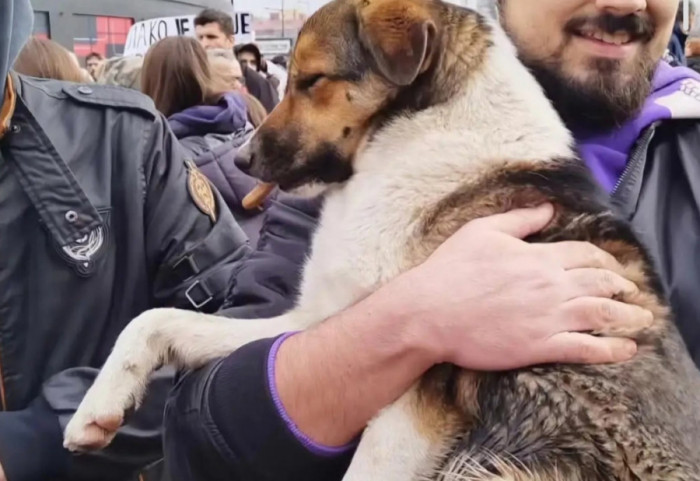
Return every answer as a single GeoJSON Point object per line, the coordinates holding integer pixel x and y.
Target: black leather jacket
{"type": "Point", "coordinates": [97, 224]}
{"type": "Point", "coordinates": [217, 431]}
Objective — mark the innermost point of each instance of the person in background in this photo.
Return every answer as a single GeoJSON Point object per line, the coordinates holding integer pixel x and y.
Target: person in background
{"type": "Point", "coordinates": [692, 53]}
{"type": "Point", "coordinates": [676, 47]}
{"type": "Point", "coordinates": [44, 58]}
{"type": "Point", "coordinates": [121, 71]}
{"type": "Point", "coordinates": [214, 29]}
{"type": "Point", "coordinates": [280, 60]}
{"type": "Point", "coordinates": [249, 55]}
{"type": "Point", "coordinates": [226, 69]}
{"type": "Point", "coordinates": [209, 119]}
{"type": "Point", "coordinates": [93, 62]}
{"type": "Point", "coordinates": [101, 218]}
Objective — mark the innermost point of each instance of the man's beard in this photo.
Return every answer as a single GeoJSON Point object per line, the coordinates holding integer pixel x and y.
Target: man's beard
{"type": "Point", "coordinates": [600, 103]}
{"type": "Point", "coordinates": [606, 99]}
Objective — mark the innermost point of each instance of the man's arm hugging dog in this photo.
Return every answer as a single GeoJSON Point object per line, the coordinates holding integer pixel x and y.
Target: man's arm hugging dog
{"type": "Point", "coordinates": [415, 117]}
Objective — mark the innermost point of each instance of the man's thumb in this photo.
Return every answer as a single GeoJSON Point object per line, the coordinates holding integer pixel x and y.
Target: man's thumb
{"type": "Point", "coordinates": [521, 223]}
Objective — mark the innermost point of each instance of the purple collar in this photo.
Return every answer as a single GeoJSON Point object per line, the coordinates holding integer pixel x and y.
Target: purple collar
{"type": "Point", "coordinates": [675, 95]}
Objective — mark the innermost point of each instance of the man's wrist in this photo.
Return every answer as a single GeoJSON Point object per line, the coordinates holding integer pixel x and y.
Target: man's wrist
{"type": "Point", "coordinates": [365, 357]}
{"type": "Point", "coordinates": [407, 321]}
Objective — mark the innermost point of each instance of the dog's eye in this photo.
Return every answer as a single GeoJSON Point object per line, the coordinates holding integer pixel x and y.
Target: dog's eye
{"type": "Point", "coordinates": [308, 82]}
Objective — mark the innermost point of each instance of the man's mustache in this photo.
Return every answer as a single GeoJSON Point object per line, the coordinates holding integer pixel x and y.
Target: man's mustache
{"type": "Point", "coordinates": [639, 28]}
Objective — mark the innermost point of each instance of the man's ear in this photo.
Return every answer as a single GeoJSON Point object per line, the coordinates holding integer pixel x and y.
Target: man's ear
{"type": "Point", "coordinates": [400, 36]}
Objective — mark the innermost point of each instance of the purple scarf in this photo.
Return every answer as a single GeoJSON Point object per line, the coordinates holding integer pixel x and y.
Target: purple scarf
{"type": "Point", "coordinates": [675, 95]}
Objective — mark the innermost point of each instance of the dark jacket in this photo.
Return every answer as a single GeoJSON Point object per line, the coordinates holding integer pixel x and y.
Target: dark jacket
{"type": "Point", "coordinates": [260, 88]}
{"type": "Point", "coordinates": [694, 63]}
{"type": "Point", "coordinates": [676, 46]}
{"type": "Point", "coordinates": [211, 136]}
{"type": "Point", "coordinates": [217, 431]}
{"type": "Point", "coordinates": [97, 224]}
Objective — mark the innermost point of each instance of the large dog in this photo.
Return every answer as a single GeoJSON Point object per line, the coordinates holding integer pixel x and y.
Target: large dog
{"type": "Point", "coordinates": [416, 117]}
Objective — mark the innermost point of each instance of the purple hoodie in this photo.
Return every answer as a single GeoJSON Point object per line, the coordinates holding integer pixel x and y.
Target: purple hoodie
{"type": "Point", "coordinates": [675, 95]}
{"type": "Point", "coordinates": [212, 135]}
{"type": "Point", "coordinates": [228, 116]}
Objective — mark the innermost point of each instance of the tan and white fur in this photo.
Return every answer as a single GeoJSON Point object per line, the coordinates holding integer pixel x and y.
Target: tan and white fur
{"type": "Point", "coordinates": [370, 231]}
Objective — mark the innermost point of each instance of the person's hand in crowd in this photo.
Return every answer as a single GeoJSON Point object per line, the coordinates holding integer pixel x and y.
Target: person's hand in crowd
{"type": "Point", "coordinates": [2, 474]}
{"type": "Point", "coordinates": [487, 300]}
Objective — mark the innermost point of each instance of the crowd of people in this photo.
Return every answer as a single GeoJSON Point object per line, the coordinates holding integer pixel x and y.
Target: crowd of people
{"type": "Point", "coordinates": [684, 46]}
{"type": "Point", "coordinates": [120, 194]}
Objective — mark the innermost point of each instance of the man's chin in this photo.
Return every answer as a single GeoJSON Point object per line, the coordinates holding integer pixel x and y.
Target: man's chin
{"type": "Point", "coordinates": [601, 97]}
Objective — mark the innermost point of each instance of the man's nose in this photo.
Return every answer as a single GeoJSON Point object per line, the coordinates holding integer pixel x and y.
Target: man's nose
{"type": "Point", "coordinates": [244, 157]}
{"type": "Point", "coordinates": [622, 7]}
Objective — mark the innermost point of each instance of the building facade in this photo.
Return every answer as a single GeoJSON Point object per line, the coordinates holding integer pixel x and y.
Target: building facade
{"type": "Point", "coordinates": [85, 26]}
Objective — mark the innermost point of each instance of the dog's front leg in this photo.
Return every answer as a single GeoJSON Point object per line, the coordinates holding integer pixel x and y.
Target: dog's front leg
{"type": "Point", "coordinates": [156, 338]}
{"type": "Point", "coordinates": [405, 442]}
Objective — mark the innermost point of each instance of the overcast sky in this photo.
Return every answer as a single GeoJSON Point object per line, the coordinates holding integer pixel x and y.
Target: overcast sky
{"type": "Point", "coordinates": [265, 6]}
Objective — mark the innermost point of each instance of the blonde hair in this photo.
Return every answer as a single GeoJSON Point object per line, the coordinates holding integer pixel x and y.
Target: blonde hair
{"type": "Point", "coordinates": [226, 71]}
{"type": "Point", "coordinates": [44, 58]}
{"type": "Point", "coordinates": [256, 111]}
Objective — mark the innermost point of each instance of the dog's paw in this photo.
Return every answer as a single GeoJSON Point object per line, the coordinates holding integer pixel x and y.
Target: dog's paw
{"type": "Point", "coordinates": [102, 411]}
{"type": "Point", "coordinates": [88, 432]}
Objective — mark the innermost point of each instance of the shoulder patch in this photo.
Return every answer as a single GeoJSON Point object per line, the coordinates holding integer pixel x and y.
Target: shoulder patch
{"type": "Point", "coordinates": [200, 190]}
{"type": "Point", "coordinates": [111, 96]}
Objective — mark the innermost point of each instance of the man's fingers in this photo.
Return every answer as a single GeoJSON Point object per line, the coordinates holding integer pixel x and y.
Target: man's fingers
{"type": "Point", "coordinates": [575, 254]}
{"type": "Point", "coordinates": [575, 348]}
{"type": "Point", "coordinates": [518, 223]}
{"type": "Point", "coordinates": [598, 283]}
{"type": "Point", "coordinates": [594, 314]}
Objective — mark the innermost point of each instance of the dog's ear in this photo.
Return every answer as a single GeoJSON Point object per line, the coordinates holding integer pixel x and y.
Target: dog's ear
{"type": "Point", "coordinates": [399, 35]}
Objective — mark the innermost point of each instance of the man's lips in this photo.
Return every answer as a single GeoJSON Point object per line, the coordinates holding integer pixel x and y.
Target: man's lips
{"type": "Point", "coordinates": [618, 45]}
{"type": "Point", "coordinates": [618, 38]}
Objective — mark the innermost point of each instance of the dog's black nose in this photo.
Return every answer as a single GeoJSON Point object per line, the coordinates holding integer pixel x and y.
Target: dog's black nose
{"type": "Point", "coordinates": [244, 157]}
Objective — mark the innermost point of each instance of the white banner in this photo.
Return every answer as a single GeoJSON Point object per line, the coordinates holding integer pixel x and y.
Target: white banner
{"type": "Point", "coordinates": [271, 47]}
{"type": "Point", "coordinates": [144, 34]}
{"type": "Point", "coordinates": [243, 28]}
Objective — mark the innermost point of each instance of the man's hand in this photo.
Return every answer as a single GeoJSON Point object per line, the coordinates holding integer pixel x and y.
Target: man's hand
{"type": "Point", "coordinates": [2, 474]}
{"type": "Point", "coordinates": [487, 300]}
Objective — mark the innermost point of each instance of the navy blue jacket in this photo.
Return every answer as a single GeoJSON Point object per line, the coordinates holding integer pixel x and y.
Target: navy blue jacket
{"type": "Point", "coordinates": [97, 225]}
{"type": "Point", "coordinates": [211, 136]}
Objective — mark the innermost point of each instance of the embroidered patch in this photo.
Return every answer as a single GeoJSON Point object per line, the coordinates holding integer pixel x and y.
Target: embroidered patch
{"type": "Point", "coordinates": [201, 191]}
{"type": "Point", "coordinates": [84, 249]}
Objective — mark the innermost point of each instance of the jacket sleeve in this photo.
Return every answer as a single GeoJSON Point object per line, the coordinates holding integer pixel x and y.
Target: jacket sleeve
{"type": "Point", "coordinates": [266, 284]}
{"type": "Point", "coordinates": [217, 431]}
{"type": "Point", "coordinates": [191, 257]}
{"type": "Point", "coordinates": [193, 243]}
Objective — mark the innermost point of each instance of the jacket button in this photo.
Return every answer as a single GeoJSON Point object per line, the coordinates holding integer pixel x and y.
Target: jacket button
{"type": "Point", "coordinates": [71, 216]}
{"type": "Point", "coordinates": [15, 129]}
{"type": "Point", "coordinates": [85, 90]}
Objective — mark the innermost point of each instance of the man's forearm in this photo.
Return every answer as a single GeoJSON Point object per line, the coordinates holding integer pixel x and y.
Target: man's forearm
{"type": "Point", "coordinates": [368, 359]}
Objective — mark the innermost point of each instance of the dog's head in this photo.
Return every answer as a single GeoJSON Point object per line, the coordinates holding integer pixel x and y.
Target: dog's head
{"type": "Point", "coordinates": [356, 63]}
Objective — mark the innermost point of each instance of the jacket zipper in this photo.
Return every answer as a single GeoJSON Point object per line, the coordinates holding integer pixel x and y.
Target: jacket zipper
{"type": "Point", "coordinates": [638, 153]}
